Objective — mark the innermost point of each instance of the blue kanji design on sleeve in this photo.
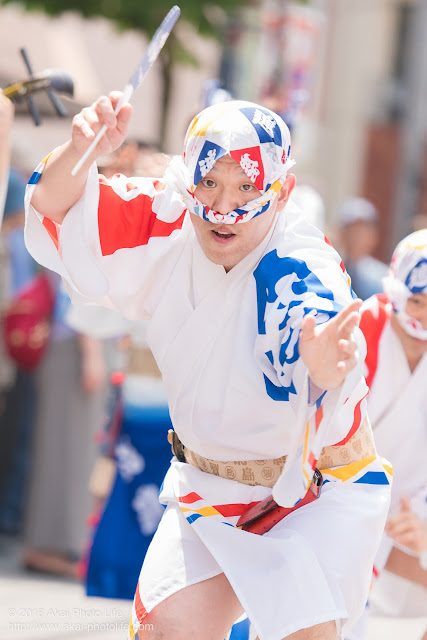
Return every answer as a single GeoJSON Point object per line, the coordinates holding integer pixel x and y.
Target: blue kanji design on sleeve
{"type": "Point", "coordinates": [304, 283]}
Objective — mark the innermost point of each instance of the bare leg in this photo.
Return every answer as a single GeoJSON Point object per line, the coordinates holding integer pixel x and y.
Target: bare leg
{"type": "Point", "coordinates": [324, 631]}
{"type": "Point", "coordinates": [205, 610]}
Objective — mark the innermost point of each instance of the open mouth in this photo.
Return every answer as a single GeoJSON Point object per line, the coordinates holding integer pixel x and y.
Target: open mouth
{"type": "Point", "coordinates": [222, 236]}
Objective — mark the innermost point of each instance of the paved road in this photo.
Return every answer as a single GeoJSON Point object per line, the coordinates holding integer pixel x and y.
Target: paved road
{"type": "Point", "coordinates": [38, 608]}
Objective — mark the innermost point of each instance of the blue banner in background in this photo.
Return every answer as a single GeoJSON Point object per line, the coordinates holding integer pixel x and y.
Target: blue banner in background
{"type": "Point", "coordinates": [132, 511]}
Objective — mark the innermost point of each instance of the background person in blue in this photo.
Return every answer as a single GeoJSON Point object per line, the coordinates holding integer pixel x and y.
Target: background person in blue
{"type": "Point", "coordinates": [357, 221]}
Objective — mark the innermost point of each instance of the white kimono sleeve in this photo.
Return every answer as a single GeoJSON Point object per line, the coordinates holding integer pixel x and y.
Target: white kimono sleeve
{"type": "Point", "coordinates": [304, 277]}
{"type": "Point", "coordinates": [111, 242]}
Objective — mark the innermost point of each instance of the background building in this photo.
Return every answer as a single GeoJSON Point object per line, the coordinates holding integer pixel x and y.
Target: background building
{"type": "Point", "coordinates": [350, 76]}
{"type": "Point", "coordinates": [357, 72]}
{"type": "Point", "coordinates": [100, 59]}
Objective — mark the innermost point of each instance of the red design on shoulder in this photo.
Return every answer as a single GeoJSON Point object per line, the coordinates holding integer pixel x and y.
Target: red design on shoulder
{"type": "Point", "coordinates": [372, 322]}
{"type": "Point", "coordinates": [124, 224]}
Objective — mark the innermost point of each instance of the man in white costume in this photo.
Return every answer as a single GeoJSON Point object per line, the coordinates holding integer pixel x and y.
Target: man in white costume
{"type": "Point", "coordinates": [253, 326]}
{"type": "Point", "coordinates": [395, 328]}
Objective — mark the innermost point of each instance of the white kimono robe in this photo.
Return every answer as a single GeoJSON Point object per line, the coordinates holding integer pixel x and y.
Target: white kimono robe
{"type": "Point", "coordinates": [397, 406]}
{"type": "Point", "coordinates": [227, 347]}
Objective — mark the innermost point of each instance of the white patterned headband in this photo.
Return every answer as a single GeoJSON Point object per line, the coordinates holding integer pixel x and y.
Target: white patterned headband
{"type": "Point", "coordinates": [255, 137]}
{"type": "Point", "coordinates": [406, 277]}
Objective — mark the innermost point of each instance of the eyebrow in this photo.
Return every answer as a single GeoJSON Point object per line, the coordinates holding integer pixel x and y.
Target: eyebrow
{"type": "Point", "coordinates": [215, 170]}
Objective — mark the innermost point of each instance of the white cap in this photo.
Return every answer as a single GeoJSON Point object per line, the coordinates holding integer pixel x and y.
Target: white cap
{"type": "Point", "coordinates": [355, 210]}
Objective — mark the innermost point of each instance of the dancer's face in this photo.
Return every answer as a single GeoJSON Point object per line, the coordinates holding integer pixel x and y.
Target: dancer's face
{"type": "Point", "coordinates": [225, 188]}
{"type": "Point", "coordinates": [417, 308]}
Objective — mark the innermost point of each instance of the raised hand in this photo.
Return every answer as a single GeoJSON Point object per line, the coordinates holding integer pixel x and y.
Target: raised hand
{"type": "Point", "coordinates": [58, 189]}
{"type": "Point", "coordinates": [328, 349]}
{"type": "Point", "coordinates": [89, 121]}
{"type": "Point", "coordinates": [407, 529]}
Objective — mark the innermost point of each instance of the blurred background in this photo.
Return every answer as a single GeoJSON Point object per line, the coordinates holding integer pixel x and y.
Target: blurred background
{"type": "Point", "coordinates": [350, 75]}
{"type": "Point", "coordinates": [350, 79]}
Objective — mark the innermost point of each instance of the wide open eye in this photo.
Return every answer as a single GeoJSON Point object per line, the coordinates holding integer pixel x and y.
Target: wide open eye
{"type": "Point", "coordinates": [207, 182]}
{"type": "Point", "coordinates": [247, 187]}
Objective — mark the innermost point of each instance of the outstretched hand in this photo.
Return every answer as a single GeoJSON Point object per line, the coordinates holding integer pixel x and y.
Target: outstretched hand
{"type": "Point", "coordinates": [89, 121]}
{"type": "Point", "coordinates": [328, 350]}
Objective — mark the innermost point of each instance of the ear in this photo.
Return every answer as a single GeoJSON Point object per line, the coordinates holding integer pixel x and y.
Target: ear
{"type": "Point", "coordinates": [285, 191]}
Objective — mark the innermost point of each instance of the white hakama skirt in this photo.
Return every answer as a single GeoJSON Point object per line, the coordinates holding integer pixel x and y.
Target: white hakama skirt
{"type": "Point", "coordinates": [315, 565]}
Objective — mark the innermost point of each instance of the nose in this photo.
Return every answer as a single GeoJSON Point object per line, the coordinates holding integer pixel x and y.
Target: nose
{"type": "Point", "coordinates": [423, 319]}
{"type": "Point", "coordinates": [224, 201]}
{"type": "Point", "coordinates": [420, 315]}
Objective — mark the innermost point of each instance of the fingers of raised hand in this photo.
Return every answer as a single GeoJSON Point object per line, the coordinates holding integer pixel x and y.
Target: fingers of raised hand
{"type": "Point", "coordinates": [91, 119]}
{"type": "Point", "coordinates": [82, 126]}
{"type": "Point", "coordinates": [348, 315]}
{"type": "Point", "coordinates": [308, 328]}
{"type": "Point", "coordinates": [105, 112]}
{"type": "Point", "coordinates": [123, 118]}
{"type": "Point", "coordinates": [125, 113]}
{"type": "Point", "coordinates": [347, 347]}
{"type": "Point", "coordinates": [348, 324]}
{"type": "Point", "coordinates": [346, 365]}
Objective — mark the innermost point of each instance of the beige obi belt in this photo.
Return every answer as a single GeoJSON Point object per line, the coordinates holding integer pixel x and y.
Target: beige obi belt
{"type": "Point", "coordinates": [266, 472]}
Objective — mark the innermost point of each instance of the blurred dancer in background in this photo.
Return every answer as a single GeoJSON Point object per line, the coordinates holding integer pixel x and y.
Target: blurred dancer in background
{"type": "Point", "coordinates": [357, 219]}
{"type": "Point", "coordinates": [395, 328]}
